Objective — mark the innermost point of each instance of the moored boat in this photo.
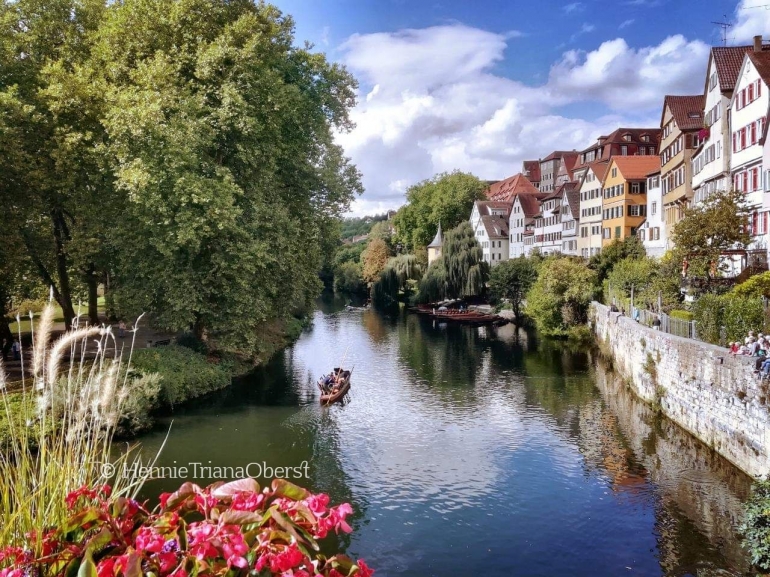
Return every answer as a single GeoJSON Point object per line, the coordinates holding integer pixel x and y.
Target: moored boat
{"type": "Point", "coordinates": [335, 386]}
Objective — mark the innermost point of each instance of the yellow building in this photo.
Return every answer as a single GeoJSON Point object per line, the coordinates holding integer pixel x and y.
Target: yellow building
{"type": "Point", "coordinates": [624, 195]}
{"type": "Point", "coordinates": [681, 121]}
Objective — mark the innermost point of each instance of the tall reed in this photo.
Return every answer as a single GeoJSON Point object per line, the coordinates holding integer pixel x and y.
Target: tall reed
{"type": "Point", "coordinates": [61, 425]}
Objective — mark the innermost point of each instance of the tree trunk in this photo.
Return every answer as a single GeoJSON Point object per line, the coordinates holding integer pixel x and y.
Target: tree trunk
{"type": "Point", "coordinates": [199, 329]}
{"type": "Point", "coordinates": [93, 296]}
{"type": "Point", "coordinates": [65, 292]}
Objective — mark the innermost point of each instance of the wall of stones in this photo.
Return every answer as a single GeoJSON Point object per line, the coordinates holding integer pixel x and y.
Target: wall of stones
{"type": "Point", "coordinates": [714, 396]}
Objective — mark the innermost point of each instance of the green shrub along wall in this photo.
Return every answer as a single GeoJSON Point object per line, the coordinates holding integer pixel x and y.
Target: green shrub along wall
{"type": "Point", "coordinates": [724, 318]}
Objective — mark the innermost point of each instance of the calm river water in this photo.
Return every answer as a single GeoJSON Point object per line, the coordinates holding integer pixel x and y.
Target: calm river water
{"type": "Point", "coordinates": [472, 451]}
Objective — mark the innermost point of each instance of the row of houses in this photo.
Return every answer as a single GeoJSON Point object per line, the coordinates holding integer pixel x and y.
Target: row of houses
{"type": "Point", "coordinates": [638, 181]}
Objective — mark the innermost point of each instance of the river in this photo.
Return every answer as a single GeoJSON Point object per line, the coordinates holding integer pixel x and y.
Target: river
{"type": "Point", "coordinates": [473, 451]}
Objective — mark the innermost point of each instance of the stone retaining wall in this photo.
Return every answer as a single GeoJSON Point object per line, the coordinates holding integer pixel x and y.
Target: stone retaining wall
{"type": "Point", "coordinates": [714, 396]}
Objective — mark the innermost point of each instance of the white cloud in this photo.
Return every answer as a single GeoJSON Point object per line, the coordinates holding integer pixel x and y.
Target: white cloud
{"type": "Point", "coordinates": [584, 29]}
{"type": "Point", "coordinates": [623, 77]}
{"type": "Point", "coordinates": [626, 23]}
{"type": "Point", "coordinates": [573, 7]}
{"type": "Point", "coordinates": [431, 102]}
{"type": "Point", "coordinates": [751, 19]}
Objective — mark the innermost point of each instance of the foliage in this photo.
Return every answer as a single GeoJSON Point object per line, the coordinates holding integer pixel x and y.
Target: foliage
{"type": "Point", "coordinates": [359, 226]}
{"type": "Point", "coordinates": [382, 230]}
{"type": "Point", "coordinates": [184, 374]}
{"type": "Point", "coordinates": [225, 529]}
{"type": "Point", "coordinates": [192, 342]}
{"type": "Point", "coordinates": [756, 524]}
{"type": "Point", "coordinates": [187, 150]}
{"type": "Point", "coordinates": [348, 279]}
{"type": "Point", "coordinates": [735, 315]}
{"type": "Point", "coordinates": [511, 280]}
{"type": "Point", "coordinates": [710, 228]}
{"type": "Point", "coordinates": [433, 286]}
{"type": "Point", "coordinates": [755, 286]}
{"type": "Point", "coordinates": [374, 259]}
{"type": "Point", "coordinates": [69, 412]}
{"type": "Point", "coordinates": [397, 277]}
{"type": "Point", "coordinates": [708, 314]}
{"type": "Point", "coordinates": [683, 315]}
{"type": "Point", "coordinates": [632, 272]}
{"type": "Point", "coordinates": [560, 296]}
{"type": "Point", "coordinates": [446, 198]}
{"type": "Point", "coordinates": [628, 248]}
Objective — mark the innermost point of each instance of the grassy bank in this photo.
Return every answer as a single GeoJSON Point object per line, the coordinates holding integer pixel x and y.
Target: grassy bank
{"type": "Point", "coordinates": [162, 378]}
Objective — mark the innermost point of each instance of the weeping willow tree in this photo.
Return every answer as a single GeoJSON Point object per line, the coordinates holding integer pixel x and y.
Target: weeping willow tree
{"type": "Point", "coordinates": [460, 272]}
{"type": "Point", "coordinates": [395, 279]}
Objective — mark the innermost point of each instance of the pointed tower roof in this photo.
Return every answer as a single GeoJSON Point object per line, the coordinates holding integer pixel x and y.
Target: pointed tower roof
{"type": "Point", "coordinates": [437, 241]}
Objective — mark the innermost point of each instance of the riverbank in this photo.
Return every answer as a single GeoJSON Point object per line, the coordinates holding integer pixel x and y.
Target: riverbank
{"type": "Point", "coordinates": [167, 377]}
{"type": "Point", "coordinates": [714, 396]}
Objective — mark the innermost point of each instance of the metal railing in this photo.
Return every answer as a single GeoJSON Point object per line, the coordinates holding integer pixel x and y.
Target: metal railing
{"type": "Point", "coordinates": [668, 324]}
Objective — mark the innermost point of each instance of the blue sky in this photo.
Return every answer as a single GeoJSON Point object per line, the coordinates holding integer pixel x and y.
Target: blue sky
{"type": "Point", "coordinates": [481, 85]}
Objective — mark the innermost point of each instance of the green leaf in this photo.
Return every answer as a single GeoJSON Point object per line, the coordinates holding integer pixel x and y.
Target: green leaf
{"type": "Point", "coordinates": [88, 567]}
{"type": "Point", "coordinates": [284, 488]}
{"type": "Point", "coordinates": [247, 485]}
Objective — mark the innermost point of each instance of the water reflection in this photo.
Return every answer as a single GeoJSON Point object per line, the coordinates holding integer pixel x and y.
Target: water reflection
{"type": "Point", "coordinates": [477, 451]}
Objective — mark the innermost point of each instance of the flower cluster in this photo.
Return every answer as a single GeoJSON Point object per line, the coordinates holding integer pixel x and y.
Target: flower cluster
{"type": "Point", "coordinates": [226, 529]}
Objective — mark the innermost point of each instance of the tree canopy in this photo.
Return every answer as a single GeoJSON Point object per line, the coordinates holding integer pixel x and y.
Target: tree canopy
{"type": "Point", "coordinates": [184, 148]}
{"type": "Point", "coordinates": [511, 279]}
{"type": "Point", "coordinates": [446, 198]}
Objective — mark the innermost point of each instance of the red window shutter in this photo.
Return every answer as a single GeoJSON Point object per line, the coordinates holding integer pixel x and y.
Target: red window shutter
{"type": "Point", "coordinates": [743, 138]}
{"type": "Point", "coordinates": [753, 134]}
{"type": "Point", "coordinates": [751, 92]}
{"type": "Point", "coordinates": [735, 142]}
{"type": "Point", "coordinates": [745, 183]}
{"type": "Point", "coordinates": [759, 88]}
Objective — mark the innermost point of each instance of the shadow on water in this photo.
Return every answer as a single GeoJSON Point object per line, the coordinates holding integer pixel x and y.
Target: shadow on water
{"type": "Point", "coordinates": [475, 450]}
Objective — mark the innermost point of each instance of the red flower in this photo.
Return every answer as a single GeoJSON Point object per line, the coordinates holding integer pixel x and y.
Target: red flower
{"type": "Point", "coordinates": [287, 559]}
{"type": "Point", "coordinates": [248, 501]}
{"type": "Point", "coordinates": [363, 569]}
{"type": "Point", "coordinates": [106, 567]}
{"type": "Point", "coordinates": [147, 540]}
{"type": "Point", "coordinates": [318, 503]}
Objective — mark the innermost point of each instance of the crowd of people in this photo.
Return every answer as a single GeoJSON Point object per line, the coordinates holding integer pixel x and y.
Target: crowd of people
{"type": "Point", "coordinates": [757, 346]}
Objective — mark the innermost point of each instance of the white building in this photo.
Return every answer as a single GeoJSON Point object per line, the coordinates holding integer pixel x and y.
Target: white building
{"type": "Point", "coordinates": [547, 224]}
{"type": "Point", "coordinates": [523, 211]}
{"type": "Point", "coordinates": [748, 115]}
{"type": "Point", "coordinates": [570, 218]}
{"type": "Point", "coordinates": [711, 161]}
{"type": "Point", "coordinates": [653, 231]}
{"type": "Point", "coordinates": [487, 208]}
{"type": "Point", "coordinates": [492, 234]}
{"type": "Point", "coordinates": [590, 235]}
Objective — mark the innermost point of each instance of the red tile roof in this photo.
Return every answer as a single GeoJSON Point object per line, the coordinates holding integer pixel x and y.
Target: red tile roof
{"type": "Point", "coordinates": [728, 61]}
{"type": "Point", "coordinates": [506, 189]}
{"type": "Point", "coordinates": [636, 167]}
{"type": "Point", "coordinates": [571, 191]}
{"type": "Point", "coordinates": [485, 205]}
{"type": "Point", "coordinates": [683, 108]}
{"type": "Point", "coordinates": [599, 168]}
{"type": "Point", "coordinates": [497, 226]}
{"type": "Point", "coordinates": [530, 203]}
{"type": "Point", "coordinates": [532, 170]}
{"type": "Point", "coordinates": [761, 61]}
{"type": "Point", "coordinates": [557, 154]}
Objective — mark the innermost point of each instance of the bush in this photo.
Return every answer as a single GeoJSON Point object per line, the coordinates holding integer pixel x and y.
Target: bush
{"type": "Point", "coordinates": [756, 286]}
{"type": "Point", "coordinates": [184, 374]}
{"type": "Point", "coordinates": [737, 315]}
{"type": "Point", "coordinates": [683, 315]}
{"type": "Point", "coordinates": [756, 525]}
{"type": "Point", "coordinates": [348, 279]}
{"type": "Point", "coordinates": [708, 313]}
{"type": "Point", "coordinates": [190, 341]}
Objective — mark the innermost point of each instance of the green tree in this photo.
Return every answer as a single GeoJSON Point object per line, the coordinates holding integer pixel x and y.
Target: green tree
{"type": "Point", "coordinates": [399, 276]}
{"type": "Point", "coordinates": [446, 198]}
{"type": "Point", "coordinates": [560, 296]}
{"type": "Point", "coordinates": [511, 280]}
{"type": "Point", "coordinates": [374, 259]}
{"type": "Point", "coordinates": [460, 272]}
{"type": "Point", "coordinates": [222, 142]}
{"type": "Point", "coordinates": [347, 279]}
{"type": "Point", "coordinates": [756, 286]}
{"type": "Point", "coordinates": [710, 228]}
{"type": "Point", "coordinates": [629, 247]}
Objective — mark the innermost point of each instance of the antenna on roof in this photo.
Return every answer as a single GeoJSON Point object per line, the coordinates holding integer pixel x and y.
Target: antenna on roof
{"type": "Point", "coordinates": [725, 26]}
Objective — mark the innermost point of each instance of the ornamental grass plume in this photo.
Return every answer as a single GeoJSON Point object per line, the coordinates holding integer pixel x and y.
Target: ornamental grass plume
{"type": "Point", "coordinates": [60, 428]}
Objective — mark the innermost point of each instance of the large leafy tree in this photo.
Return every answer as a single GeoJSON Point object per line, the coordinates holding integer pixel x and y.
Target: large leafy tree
{"type": "Point", "coordinates": [511, 280]}
{"type": "Point", "coordinates": [710, 228]}
{"type": "Point", "coordinates": [628, 248]}
{"type": "Point", "coordinates": [560, 296]}
{"type": "Point", "coordinates": [446, 198]}
{"type": "Point", "coordinates": [221, 134]}
{"type": "Point", "coordinates": [374, 259]}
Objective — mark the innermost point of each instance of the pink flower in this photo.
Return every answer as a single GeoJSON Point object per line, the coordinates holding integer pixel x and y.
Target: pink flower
{"type": "Point", "coordinates": [106, 567]}
{"type": "Point", "coordinates": [287, 559]}
{"type": "Point", "coordinates": [247, 501]}
{"type": "Point", "coordinates": [147, 540]}
{"type": "Point", "coordinates": [318, 503]}
{"type": "Point", "coordinates": [363, 569]}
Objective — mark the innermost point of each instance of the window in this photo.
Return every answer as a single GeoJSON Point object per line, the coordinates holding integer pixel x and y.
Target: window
{"type": "Point", "coordinates": [624, 150]}
{"type": "Point", "coordinates": [614, 172]}
{"type": "Point", "coordinates": [617, 232]}
{"type": "Point", "coordinates": [654, 208]}
{"type": "Point", "coordinates": [712, 81]}
{"type": "Point", "coordinates": [645, 138]}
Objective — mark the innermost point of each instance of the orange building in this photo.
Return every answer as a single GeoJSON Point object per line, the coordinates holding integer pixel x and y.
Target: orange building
{"type": "Point", "coordinates": [624, 195]}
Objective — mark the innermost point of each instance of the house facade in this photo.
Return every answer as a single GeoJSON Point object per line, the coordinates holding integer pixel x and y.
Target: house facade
{"type": "Point", "coordinates": [748, 117]}
{"type": "Point", "coordinates": [485, 208]}
{"type": "Point", "coordinates": [549, 170]}
{"type": "Point", "coordinates": [652, 232]}
{"type": "Point", "coordinates": [531, 169]}
{"type": "Point", "coordinates": [492, 235]}
{"type": "Point", "coordinates": [547, 225]}
{"type": "Point", "coordinates": [624, 196]}
{"type": "Point", "coordinates": [570, 218]}
{"type": "Point", "coordinates": [589, 241]}
{"type": "Point", "coordinates": [681, 125]}
{"type": "Point", "coordinates": [711, 161]}
{"type": "Point", "coordinates": [521, 221]}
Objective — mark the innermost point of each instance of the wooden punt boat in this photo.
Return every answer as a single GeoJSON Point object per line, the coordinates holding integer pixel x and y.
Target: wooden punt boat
{"type": "Point", "coordinates": [341, 389]}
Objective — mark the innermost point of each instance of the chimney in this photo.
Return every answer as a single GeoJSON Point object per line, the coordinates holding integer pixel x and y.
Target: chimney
{"type": "Point", "coordinates": [758, 43]}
